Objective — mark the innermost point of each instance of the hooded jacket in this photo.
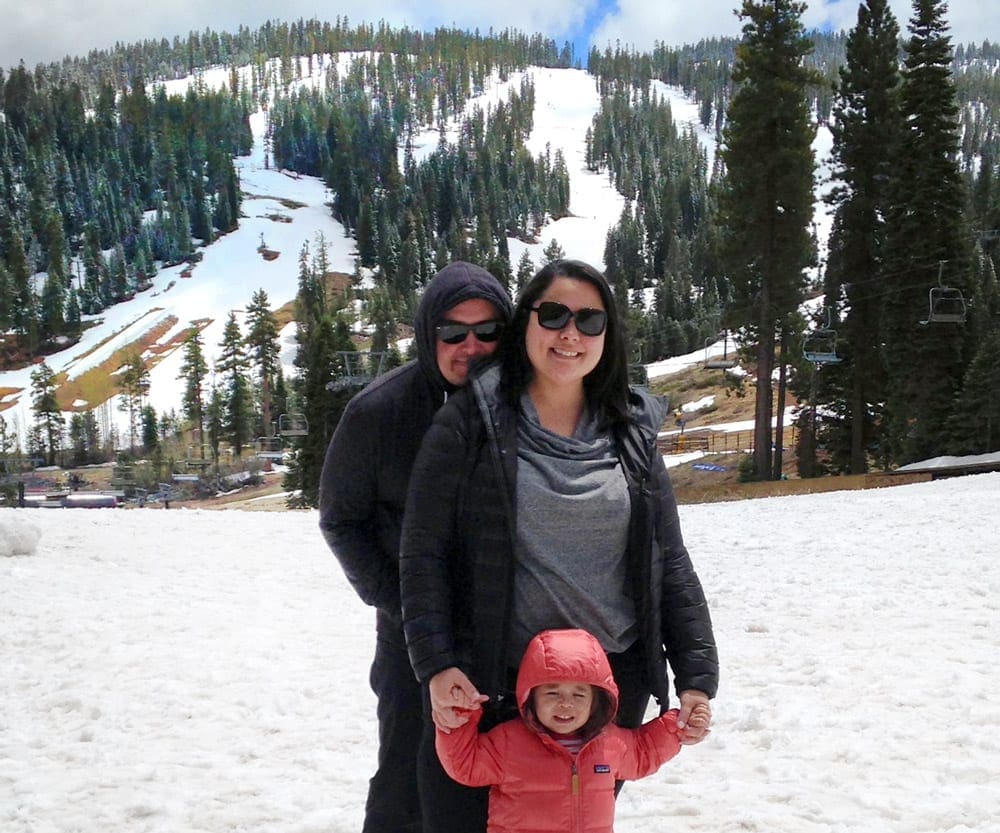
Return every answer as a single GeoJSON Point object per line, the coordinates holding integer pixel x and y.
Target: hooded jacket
{"type": "Point", "coordinates": [367, 467]}
{"type": "Point", "coordinates": [538, 785]}
{"type": "Point", "coordinates": [458, 549]}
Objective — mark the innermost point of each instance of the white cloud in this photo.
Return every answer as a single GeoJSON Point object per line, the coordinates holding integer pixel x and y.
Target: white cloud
{"type": "Point", "coordinates": [50, 29]}
{"type": "Point", "coordinates": [639, 24]}
{"type": "Point", "coordinates": [676, 22]}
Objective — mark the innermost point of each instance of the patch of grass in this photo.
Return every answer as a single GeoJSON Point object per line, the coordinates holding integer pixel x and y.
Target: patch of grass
{"type": "Point", "coordinates": [112, 335]}
{"type": "Point", "coordinates": [99, 384]}
{"type": "Point", "coordinates": [291, 205]}
{"type": "Point", "coordinates": [4, 393]}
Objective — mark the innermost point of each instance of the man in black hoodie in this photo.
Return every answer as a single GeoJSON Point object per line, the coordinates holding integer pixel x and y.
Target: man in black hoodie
{"type": "Point", "coordinates": [363, 496]}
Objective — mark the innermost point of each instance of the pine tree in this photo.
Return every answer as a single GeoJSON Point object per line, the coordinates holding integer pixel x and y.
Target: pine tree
{"type": "Point", "coordinates": [927, 244]}
{"type": "Point", "coordinates": [133, 384]}
{"type": "Point", "coordinates": [975, 421]}
{"type": "Point", "coordinates": [85, 438]}
{"type": "Point", "coordinates": [866, 129]}
{"type": "Point", "coordinates": [553, 251]}
{"type": "Point", "coordinates": [231, 368]}
{"type": "Point", "coordinates": [321, 335]}
{"type": "Point", "coordinates": [73, 313]}
{"type": "Point", "coordinates": [525, 270]}
{"type": "Point", "coordinates": [265, 353]}
{"type": "Point", "coordinates": [280, 396]}
{"type": "Point", "coordinates": [77, 441]}
{"type": "Point", "coordinates": [381, 313]}
{"type": "Point", "coordinates": [95, 270]}
{"type": "Point", "coordinates": [48, 415]}
{"type": "Point", "coordinates": [194, 370]}
{"type": "Point", "coordinates": [150, 432]}
{"type": "Point", "coordinates": [24, 312]}
{"type": "Point", "coordinates": [766, 197]}
{"type": "Point", "coordinates": [214, 424]}
{"type": "Point", "coordinates": [6, 299]}
{"type": "Point", "coordinates": [53, 303]}
{"type": "Point", "coordinates": [116, 287]}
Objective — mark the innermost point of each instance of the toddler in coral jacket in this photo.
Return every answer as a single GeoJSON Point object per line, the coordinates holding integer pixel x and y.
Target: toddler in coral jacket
{"type": "Point", "coordinates": [555, 768]}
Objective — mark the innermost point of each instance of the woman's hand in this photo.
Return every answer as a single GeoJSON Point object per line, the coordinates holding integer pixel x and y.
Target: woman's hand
{"type": "Point", "coordinates": [452, 694]}
{"type": "Point", "coordinates": [695, 717]}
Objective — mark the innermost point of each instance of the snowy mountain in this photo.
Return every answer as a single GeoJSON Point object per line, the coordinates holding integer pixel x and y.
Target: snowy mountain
{"type": "Point", "coordinates": [287, 211]}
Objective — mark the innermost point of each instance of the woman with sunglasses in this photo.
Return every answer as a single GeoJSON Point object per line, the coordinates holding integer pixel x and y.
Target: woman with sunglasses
{"type": "Point", "coordinates": [539, 500]}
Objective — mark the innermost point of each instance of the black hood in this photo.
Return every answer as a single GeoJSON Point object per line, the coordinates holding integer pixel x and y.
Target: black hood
{"type": "Point", "coordinates": [455, 283]}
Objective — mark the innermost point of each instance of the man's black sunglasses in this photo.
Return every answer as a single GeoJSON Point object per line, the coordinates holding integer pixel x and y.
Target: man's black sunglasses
{"type": "Point", "coordinates": [485, 331]}
{"type": "Point", "coordinates": [555, 316]}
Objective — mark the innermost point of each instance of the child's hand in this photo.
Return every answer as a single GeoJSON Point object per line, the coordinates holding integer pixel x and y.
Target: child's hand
{"type": "Point", "coordinates": [700, 717]}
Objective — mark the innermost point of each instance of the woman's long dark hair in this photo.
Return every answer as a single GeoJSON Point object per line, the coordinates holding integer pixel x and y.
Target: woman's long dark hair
{"type": "Point", "coordinates": [606, 386]}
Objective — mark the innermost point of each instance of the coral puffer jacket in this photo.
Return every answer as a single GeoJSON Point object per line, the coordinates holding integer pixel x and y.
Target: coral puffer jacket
{"type": "Point", "coordinates": [537, 785]}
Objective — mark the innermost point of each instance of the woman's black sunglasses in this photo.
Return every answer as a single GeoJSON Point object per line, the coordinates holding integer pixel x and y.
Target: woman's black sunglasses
{"type": "Point", "coordinates": [555, 316]}
{"type": "Point", "coordinates": [485, 331]}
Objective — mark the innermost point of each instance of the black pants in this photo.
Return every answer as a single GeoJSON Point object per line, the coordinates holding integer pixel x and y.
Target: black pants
{"type": "Point", "coordinates": [449, 807]}
{"type": "Point", "coordinates": [393, 804]}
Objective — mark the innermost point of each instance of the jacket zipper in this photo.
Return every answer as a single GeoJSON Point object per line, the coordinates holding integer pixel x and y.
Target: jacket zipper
{"type": "Point", "coordinates": [577, 799]}
{"type": "Point", "coordinates": [497, 454]}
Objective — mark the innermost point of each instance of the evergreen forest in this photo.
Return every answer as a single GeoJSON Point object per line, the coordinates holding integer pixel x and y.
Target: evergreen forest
{"type": "Point", "coordinates": [105, 178]}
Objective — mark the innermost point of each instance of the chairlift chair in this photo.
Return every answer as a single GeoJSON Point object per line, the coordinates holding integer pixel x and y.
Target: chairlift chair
{"type": "Point", "coordinates": [638, 376]}
{"type": "Point", "coordinates": [360, 367]}
{"type": "Point", "coordinates": [723, 362]}
{"type": "Point", "coordinates": [198, 455]}
{"type": "Point", "coordinates": [269, 448]}
{"type": "Point", "coordinates": [293, 425]}
{"type": "Point", "coordinates": [820, 346]}
{"type": "Point", "coordinates": [946, 306]}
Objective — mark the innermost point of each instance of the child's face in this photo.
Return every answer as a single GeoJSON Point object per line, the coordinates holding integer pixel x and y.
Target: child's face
{"type": "Point", "coordinates": [563, 708]}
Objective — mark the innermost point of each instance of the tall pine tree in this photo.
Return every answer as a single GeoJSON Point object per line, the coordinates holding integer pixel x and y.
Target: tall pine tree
{"type": "Point", "coordinates": [928, 246]}
{"type": "Point", "coordinates": [232, 366]}
{"type": "Point", "coordinates": [194, 371]}
{"type": "Point", "coordinates": [262, 341]}
{"type": "Point", "coordinates": [767, 192]}
{"type": "Point", "coordinates": [866, 128]}
{"type": "Point", "coordinates": [48, 415]}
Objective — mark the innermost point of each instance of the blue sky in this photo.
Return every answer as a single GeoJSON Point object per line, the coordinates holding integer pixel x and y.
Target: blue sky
{"type": "Point", "coordinates": [581, 35]}
{"type": "Point", "coordinates": [45, 30]}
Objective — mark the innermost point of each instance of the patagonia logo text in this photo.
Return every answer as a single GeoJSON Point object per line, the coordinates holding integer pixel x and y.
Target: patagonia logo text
{"type": "Point", "coordinates": [602, 768]}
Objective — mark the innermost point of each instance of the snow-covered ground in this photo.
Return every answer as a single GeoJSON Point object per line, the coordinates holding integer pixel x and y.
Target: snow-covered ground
{"type": "Point", "coordinates": [206, 672]}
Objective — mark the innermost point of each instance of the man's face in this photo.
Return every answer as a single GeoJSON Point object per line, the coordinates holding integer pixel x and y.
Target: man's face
{"type": "Point", "coordinates": [453, 359]}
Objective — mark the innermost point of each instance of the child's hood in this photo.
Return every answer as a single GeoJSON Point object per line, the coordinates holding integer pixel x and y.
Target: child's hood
{"type": "Point", "coordinates": [557, 656]}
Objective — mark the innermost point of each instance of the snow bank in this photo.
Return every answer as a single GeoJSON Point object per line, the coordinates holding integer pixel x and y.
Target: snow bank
{"type": "Point", "coordinates": [18, 536]}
